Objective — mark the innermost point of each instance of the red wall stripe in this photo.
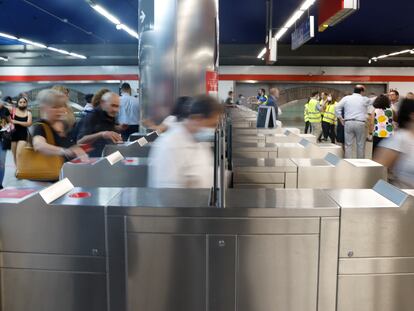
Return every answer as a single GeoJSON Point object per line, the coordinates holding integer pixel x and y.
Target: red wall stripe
{"type": "Point", "coordinates": [318, 78]}
{"type": "Point", "coordinates": [68, 78]}
{"type": "Point", "coordinates": [222, 77]}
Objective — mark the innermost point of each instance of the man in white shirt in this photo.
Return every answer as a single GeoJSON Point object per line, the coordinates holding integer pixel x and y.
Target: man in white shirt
{"type": "Point", "coordinates": [178, 158]}
{"type": "Point", "coordinates": [355, 109]}
{"type": "Point", "coordinates": [129, 113]}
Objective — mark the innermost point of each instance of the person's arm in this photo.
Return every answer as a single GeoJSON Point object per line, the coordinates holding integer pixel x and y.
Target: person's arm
{"type": "Point", "coordinates": [371, 118]}
{"type": "Point", "coordinates": [40, 145]}
{"type": "Point", "coordinates": [26, 123]}
{"type": "Point", "coordinates": [109, 135]}
{"type": "Point", "coordinates": [338, 111]}
{"type": "Point", "coordinates": [386, 157]}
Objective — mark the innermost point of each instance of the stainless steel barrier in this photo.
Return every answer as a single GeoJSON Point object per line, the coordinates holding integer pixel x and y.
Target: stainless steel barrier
{"type": "Point", "coordinates": [99, 172]}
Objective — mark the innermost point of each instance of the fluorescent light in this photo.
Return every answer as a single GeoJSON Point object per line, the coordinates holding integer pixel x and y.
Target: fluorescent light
{"type": "Point", "coordinates": [128, 30]}
{"type": "Point", "coordinates": [262, 53]}
{"type": "Point", "coordinates": [390, 55]}
{"type": "Point", "coordinates": [307, 4]}
{"type": "Point", "coordinates": [5, 59]}
{"type": "Point", "coordinates": [5, 35]}
{"type": "Point", "coordinates": [32, 43]}
{"type": "Point", "coordinates": [280, 33]}
{"type": "Point", "coordinates": [77, 55]}
{"type": "Point", "coordinates": [113, 19]}
{"type": "Point", "coordinates": [294, 18]}
{"type": "Point", "coordinates": [66, 52]}
{"type": "Point", "coordinates": [105, 13]}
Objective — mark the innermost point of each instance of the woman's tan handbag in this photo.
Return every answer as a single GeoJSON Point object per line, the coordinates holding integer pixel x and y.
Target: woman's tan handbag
{"type": "Point", "coordinates": [34, 165]}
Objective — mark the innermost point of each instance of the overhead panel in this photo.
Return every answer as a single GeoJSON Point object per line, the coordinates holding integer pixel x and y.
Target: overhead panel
{"type": "Point", "coordinates": [332, 12]}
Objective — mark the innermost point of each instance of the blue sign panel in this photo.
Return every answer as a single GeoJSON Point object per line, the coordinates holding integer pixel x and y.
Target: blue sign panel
{"type": "Point", "coordinates": [303, 33]}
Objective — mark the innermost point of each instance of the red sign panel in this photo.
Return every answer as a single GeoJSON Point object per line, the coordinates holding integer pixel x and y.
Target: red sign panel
{"type": "Point", "coordinates": [327, 9]}
{"type": "Point", "coordinates": [211, 82]}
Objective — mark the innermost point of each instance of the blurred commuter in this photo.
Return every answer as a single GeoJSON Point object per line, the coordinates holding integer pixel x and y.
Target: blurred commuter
{"type": "Point", "coordinates": [308, 127]}
{"type": "Point", "coordinates": [179, 159]}
{"type": "Point", "coordinates": [397, 152]}
{"type": "Point", "coordinates": [68, 122]}
{"type": "Point", "coordinates": [262, 98]}
{"type": "Point", "coordinates": [8, 100]}
{"type": "Point", "coordinates": [53, 110]}
{"type": "Point", "coordinates": [99, 126]}
{"type": "Point", "coordinates": [410, 95]}
{"type": "Point", "coordinates": [96, 99]}
{"type": "Point", "coordinates": [355, 109]}
{"type": "Point", "coordinates": [229, 101]}
{"type": "Point", "coordinates": [323, 101]}
{"type": "Point", "coordinates": [5, 122]}
{"type": "Point", "coordinates": [129, 113]}
{"type": "Point", "coordinates": [273, 100]}
{"type": "Point", "coordinates": [21, 120]}
{"type": "Point", "coordinates": [180, 112]}
{"type": "Point", "coordinates": [381, 120]}
{"type": "Point", "coordinates": [88, 106]}
{"type": "Point", "coordinates": [314, 114]}
{"type": "Point", "coordinates": [394, 97]}
{"type": "Point", "coordinates": [240, 100]}
{"type": "Point", "coordinates": [329, 119]}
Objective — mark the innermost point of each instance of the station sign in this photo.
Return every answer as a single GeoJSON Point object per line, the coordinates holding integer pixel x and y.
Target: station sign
{"type": "Point", "coordinates": [303, 33]}
{"type": "Point", "coordinates": [331, 12]}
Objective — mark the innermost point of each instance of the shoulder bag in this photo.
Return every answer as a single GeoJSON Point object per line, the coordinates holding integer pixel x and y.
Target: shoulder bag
{"type": "Point", "coordinates": [37, 166]}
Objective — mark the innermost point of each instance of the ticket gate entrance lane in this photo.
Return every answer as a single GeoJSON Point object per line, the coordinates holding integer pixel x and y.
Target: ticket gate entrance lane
{"type": "Point", "coordinates": [128, 150]}
{"type": "Point", "coordinates": [376, 264]}
{"type": "Point", "coordinates": [333, 172]}
{"type": "Point", "coordinates": [273, 138]}
{"type": "Point", "coordinates": [264, 173]}
{"type": "Point", "coordinates": [98, 172]}
{"type": "Point", "coordinates": [54, 256]}
{"type": "Point", "coordinates": [303, 149]}
{"type": "Point", "coordinates": [171, 241]}
{"type": "Point", "coordinates": [255, 131]}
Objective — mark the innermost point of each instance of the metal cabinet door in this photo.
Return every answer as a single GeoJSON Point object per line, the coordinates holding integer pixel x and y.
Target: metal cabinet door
{"type": "Point", "coordinates": [166, 272]}
{"type": "Point", "coordinates": [277, 272]}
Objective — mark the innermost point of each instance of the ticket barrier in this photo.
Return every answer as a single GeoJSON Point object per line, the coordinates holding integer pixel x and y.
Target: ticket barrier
{"type": "Point", "coordinates": [330, 172]}
{"type": "Point", "coordinates": [303, 149]}
{"type": "Point", "coordinates": [150, 137]}
{"type": "Point", "coordinates": [99, 172]}
{"type": "Point", "coordinates": [167, 249]}
{"type": "Point", "coordinates": [53, 256]}
{"type": "Point", "coordinates": [255, 131]}
{"type": "Point", "coordinates": [129, 149]}
{"type": "Point", "coordinates": [287, 137]}
{"type": "Point", "coordinates": [181, 254]}
{"type": "Point", "coordinates": [376, 250]}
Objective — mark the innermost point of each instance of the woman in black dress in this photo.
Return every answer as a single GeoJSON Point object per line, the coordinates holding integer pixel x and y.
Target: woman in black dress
{"type": "Point", "coordinates": [22, 119]}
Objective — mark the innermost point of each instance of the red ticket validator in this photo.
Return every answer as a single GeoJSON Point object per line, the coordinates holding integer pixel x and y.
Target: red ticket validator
{"type": "Point", "coordinates": [80, 195]}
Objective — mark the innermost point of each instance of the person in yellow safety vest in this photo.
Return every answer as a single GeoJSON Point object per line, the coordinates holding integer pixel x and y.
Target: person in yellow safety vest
{"type": "Point", "coordinates": [314, 114]}
{"type": "Point", "coordinates": [329, 120]}
{"type": "Point", "coordinates": [308, 127]}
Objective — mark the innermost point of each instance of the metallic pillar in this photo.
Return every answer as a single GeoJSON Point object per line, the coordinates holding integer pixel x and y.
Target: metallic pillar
{"type": "Point", "coordinates": [176, 55]}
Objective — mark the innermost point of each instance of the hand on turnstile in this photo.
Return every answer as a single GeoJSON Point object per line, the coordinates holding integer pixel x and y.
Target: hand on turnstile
{"type": "Point", "coordinates": [112, 136]}
{"type": "Point", "coordinates": [75, 152]}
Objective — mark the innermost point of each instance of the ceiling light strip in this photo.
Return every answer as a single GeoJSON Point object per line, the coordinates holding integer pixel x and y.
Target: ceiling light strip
{"type": "Point", "coordinates": [294, 18]}
{"type": "Point", "coordinates": [42, 46]}
{"type": "Point", "coordinates": [113, 19]}
{"type": "Point", "coordinates": [262, 53]}
{"type": "Point", "coordinates": [376, 58]}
